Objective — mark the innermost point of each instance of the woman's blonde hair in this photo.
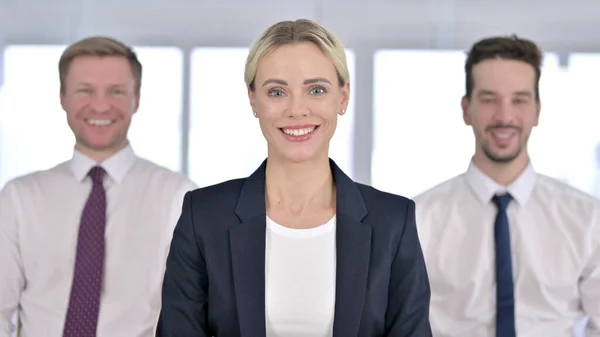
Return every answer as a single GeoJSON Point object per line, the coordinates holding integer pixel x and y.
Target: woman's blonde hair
{"type": "Point", "coordinates": [291, 32]}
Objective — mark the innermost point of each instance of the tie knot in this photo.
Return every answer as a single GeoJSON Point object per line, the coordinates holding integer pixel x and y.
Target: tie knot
{"type": "Point", "coordinates": [502, 201]}
{"type": "Point", "coordinates": [97, 175]}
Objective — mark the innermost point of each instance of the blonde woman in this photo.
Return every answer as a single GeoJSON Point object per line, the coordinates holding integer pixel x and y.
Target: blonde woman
{"type": "Point", "coordinates": [297, 248]}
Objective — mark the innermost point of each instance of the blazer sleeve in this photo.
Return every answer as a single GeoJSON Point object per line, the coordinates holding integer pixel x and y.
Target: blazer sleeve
{"type": "Point", "coordinates": [409, 293]}
{"type": "Point", "coordinates": [184, 291]}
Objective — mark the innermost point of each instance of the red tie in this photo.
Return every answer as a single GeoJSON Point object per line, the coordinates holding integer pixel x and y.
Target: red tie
{"type": "Point", "coordinates": [84, 303]}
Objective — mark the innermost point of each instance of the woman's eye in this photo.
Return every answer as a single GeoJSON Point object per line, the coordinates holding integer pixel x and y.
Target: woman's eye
{"type": "Point", "coordinates": [276, 93]}
{"type": "Point", "coordinates": [317, 91]}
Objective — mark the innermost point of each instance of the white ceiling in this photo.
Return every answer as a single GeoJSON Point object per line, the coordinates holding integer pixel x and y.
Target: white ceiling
{"type": "Point", "coordinates": [554, 24]}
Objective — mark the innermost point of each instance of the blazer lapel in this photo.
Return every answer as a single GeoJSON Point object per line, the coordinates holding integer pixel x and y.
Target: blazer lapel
{"type": "Point", "coordinates": [247, 244]}
{"type": "Point", "coordinates": [353, 246]}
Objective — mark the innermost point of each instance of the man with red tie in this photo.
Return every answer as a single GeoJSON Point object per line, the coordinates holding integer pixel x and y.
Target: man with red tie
{"type": "Point", "coordinates": [83, 244]}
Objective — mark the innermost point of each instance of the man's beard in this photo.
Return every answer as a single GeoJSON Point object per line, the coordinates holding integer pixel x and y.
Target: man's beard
{"type": "Point", "coordinates": [504, 159]}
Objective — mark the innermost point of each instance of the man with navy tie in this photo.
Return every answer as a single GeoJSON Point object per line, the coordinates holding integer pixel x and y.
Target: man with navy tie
{"type": "Point", "coordinates": [509, 252]}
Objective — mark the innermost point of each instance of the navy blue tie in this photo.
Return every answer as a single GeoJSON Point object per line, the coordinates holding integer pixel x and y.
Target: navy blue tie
{"type": "Point", "coordinates": [505, 299]}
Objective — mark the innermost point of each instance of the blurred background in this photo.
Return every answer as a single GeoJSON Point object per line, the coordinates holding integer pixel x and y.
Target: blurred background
{"type": "Point", "coordinates": [406, 60]}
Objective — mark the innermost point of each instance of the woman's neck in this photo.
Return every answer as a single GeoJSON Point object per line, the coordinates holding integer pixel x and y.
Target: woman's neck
{"type": "Point", "coordinates": [298, 187]}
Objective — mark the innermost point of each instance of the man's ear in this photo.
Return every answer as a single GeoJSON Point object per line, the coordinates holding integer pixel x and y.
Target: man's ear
{"type": "Point", "coordinates": [62, 99]}
{"type": "Point", "coordinates": [137, 103]}
{"type": "Point", "coordinates": [538, 109]}
{"type": "Point", "coordinates": [464, 103]}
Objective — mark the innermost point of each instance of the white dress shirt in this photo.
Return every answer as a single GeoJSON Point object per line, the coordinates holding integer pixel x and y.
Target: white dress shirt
{"type": "Point", "coordinates": [555, 240]}
{"type": "Point", "coordinates": [300, 280]}
{"type": "Point", "coordinates": [39, 224]}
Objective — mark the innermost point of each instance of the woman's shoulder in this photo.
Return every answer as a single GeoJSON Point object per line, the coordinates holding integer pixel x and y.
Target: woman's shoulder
{"type": "Point", "coordinates": [375, 198]}
{"type": "Point", "coordinates": [217, 194]}
{"type": "Point", "coordinates": [387, 213]}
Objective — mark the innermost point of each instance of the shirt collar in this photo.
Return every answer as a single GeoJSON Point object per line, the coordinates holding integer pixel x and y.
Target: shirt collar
{"type": "Point", "coordinates": [116, 166]}
{"type": "Point", "coordinates": [485, 188]}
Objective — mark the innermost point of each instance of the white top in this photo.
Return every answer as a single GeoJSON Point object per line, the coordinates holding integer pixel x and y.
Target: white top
{"type": "Point", "coordinates": [555, 239]}
{"type": "Point", "coordinates": [300, 280]}
{"type": "Point", "coordinates": [39, 224]}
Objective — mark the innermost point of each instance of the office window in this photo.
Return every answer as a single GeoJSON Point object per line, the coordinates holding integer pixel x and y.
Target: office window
{"type": "Point", "coordinates": [419, 135]}
{"type": "Point", "coordinates": [155, 132]}
{"type": "Point", "coordinates": [547, 151]}
{"type": "Point", "coordinates": [225, 139]}
{"type": "Point", "coordinates": [580, 119]}
{"type": "Point", "coordinates": [34, 134]}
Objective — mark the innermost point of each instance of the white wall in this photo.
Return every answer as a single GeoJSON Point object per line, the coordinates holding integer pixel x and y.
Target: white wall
{"type": "Point", "coordinates": [555, 24]}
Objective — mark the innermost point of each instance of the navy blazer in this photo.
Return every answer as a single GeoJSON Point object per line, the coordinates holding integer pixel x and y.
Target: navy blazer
{"type": "Point", "coordinates": [214, 282]}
